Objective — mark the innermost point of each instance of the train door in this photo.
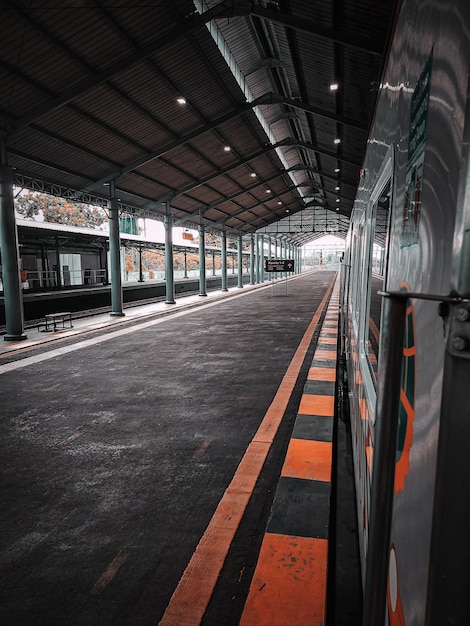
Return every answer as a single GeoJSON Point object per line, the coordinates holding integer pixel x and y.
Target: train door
{"type": "Point", "coordinates": [375, 262]}
{"type": "Point", "coordinates": [369, 240]}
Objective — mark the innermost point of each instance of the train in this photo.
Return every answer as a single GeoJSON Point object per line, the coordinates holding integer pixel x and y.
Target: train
{"type": "Point", "coordinates": [405, 326]}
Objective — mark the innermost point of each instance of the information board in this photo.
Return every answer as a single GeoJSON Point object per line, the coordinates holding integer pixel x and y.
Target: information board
{"type": "Point", "coordinates": [279, 265]}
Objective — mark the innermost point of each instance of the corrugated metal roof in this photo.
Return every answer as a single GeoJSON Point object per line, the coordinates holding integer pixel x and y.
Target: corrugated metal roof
{"type": "Point", "coordinates": [88, 94]}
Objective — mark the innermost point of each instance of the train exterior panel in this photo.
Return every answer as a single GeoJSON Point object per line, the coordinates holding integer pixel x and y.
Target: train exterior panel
{"type": "Point", "coordinates": [410, 212]}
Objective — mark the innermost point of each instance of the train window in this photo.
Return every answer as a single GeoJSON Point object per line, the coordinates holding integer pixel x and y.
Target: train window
{"type": "Point", "coordinates": [368, 271]}
{"type": "Point", "coordinates": [378, 254]}
{"type": "Point", "coordinates": [356, 263]}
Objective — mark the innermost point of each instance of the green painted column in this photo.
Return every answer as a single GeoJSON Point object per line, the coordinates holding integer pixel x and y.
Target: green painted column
{"type": "Point", "coordinates": [10, 255]}
{"type": "Point", "coordinates": [240, 261]}
{"type": "Point", "coordinates": [252, 260]}
{"type": "Point", "coordinates": [281, 255]}
{"type": "Point", "coordinates": [261, 267]}
{"type": "Point", "coordinates": [169, 271]}
{"type": "Point", "coordinates": [224, 260]}
{"type": "Point", "coordinates": [58, 268]}
{"type": "Point", "coordinates": [115, 253]}
{"type": "Point", "coordinates": [202, 256]}
{"type": "Point", "coordinates": [256, 258]}
{"type": "Point", "coordinates": [141, 269]}
{"type": "Point", "coordinates": [286, 255]}
{"type": "Point", "coordinates": [213, 262]}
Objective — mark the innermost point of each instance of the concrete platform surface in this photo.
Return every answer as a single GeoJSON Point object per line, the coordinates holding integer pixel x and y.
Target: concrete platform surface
{"type": "Point", "coordinates": [119, 439]}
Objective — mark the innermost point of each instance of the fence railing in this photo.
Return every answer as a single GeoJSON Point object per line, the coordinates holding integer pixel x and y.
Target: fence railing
{"type": "Point", "coordinates": [32, 279]}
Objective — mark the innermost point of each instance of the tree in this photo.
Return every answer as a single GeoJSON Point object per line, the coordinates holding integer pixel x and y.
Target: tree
{"type": "Point", "coordinates": [59, 210]}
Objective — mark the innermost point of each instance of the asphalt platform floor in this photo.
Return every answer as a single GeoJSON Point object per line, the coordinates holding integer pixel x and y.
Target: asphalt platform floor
{"type": "Point", "coordinates": [118, 439]}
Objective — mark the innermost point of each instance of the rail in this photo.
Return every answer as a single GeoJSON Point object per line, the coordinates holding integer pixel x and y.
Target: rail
{"type": "Point", "coordinates": [35, 279]}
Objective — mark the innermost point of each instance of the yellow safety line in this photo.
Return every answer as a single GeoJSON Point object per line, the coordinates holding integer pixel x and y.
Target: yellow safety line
{"type": "Point", "coordinates": [194, 590]}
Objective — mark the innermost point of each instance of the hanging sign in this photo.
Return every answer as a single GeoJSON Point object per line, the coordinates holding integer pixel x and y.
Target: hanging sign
{"type": "Point", "coordinates": [278, 265]}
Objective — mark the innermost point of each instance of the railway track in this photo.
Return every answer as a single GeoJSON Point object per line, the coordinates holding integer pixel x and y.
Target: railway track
{"type": "Point", "coordinates": [99, 310]}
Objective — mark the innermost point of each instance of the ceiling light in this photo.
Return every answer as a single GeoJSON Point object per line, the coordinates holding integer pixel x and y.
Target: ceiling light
{"type": "Point", "coordinates": [337, 208]}
{"type": "Point", "coordinates": [337, 170]}
{"type": "Point", "coordinates": [253, 174]}
{"type": "Point", "coordinates": [337, 188]}
{"type": "Point", "coordinates": [287, 210]}
{"type": "Point", "coordinates": [338, 200]}
{"type": "Point", "coordinates": [227, 148]}
{"type": "Point", "coordinates": [337, 140]}
{"type": "Point", "coordinates": [268, 190]}
{"type": "Point", "coordinates": [181, 100]}
{"type": "Point", "coordinates": [334, 87]}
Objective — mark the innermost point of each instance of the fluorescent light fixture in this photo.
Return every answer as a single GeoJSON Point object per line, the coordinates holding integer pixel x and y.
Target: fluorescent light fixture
{"type": "Point", "coordinates": [334, 87]}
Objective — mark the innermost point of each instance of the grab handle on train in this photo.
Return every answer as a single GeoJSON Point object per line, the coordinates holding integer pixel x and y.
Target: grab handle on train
{"type": "Point", "coordinates": [383, 471]}
{"type": "Point", "coordinates": [386, 425]}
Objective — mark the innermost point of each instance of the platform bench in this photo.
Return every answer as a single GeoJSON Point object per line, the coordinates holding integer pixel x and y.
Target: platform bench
{"type": "Point", "coordinates": [56, 321]}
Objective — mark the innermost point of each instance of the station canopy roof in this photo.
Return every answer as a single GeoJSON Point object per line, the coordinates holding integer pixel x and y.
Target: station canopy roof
{"type": "Point", "coordinates": [250, 116]}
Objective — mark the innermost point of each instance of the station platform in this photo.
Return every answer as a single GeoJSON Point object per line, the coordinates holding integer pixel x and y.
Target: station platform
{"type": "Point", "coordinates": [176, 466]}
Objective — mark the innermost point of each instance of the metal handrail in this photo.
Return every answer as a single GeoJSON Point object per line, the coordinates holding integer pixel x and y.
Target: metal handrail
{"type": "Point", "coordinates": [383, 470]}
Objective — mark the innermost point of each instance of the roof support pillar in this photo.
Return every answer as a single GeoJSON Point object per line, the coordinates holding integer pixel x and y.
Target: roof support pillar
{"type": "Point", "coordinates": [257, 276]}
{"type": "Point", "coordinates": [10, 255]}
{"type": "Point", "coordinates": [141, 269]}
{"type": "Point", "coordinates": [252, 259]}
{"type": "Point", "coordinates": [202, 256]}
{"type": "Point", "coordinates": [115, 253]}
{"type": "Point", "coordinates": [240, 261]}
{"type": "Point", "coordinates": [224, 260]}
{"type": "Point", "coordinates": [169, 271]}
{"type": "Point", "coordinates": [285, 255]}
{"type": "Point", "coordinates": [261, 259]}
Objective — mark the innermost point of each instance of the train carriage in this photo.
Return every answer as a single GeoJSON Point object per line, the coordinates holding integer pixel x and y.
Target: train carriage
{"type": "Point", "coordinates": [408, 239]}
